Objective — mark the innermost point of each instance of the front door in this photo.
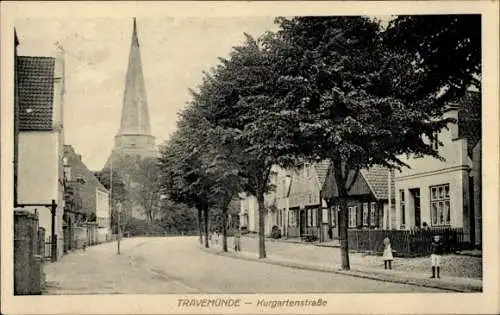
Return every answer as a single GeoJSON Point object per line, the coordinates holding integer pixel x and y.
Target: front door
{"type": "Point", "coordinates": [302, 226]}
{"type": "Point", "coordinates": [416, 202]}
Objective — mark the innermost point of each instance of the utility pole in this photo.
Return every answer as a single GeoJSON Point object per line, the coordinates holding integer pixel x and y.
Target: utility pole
{"type": "Point", "coordinates": [119, 227]}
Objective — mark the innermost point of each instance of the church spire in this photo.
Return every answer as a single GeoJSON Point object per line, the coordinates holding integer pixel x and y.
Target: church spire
{"type": "Point", "coordinates": [134, 136]}
{"type": "Point", "coordinates": [135, 115]}
{"type": "Point", "coordinates": [135, 38]}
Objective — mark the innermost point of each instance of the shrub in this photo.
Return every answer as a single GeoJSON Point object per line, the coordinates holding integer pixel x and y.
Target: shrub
{"type": "Point", "coordinates": [275, 232]}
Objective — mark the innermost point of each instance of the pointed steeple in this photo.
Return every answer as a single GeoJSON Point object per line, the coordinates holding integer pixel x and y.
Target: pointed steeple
{"type": "Point", "coordinates": [134, 136]}
{"type": "Point", "coordinates": [135, 38]}
{"type": "Point", "coordinates": [135, 115]}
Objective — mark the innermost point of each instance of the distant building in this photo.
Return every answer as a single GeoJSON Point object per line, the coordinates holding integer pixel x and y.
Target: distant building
{"type": "Point", "coordinates": [39, 138]}
{"type": "Point", "coordinates": [276, 204]}
{"type": "Point", "coordinates": [305, 203]}
{"type": "Point", "coordinates": [93, 198]}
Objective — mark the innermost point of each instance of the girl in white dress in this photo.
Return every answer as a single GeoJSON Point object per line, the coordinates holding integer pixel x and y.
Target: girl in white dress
{"type": "Point", "coordinates": [387, 253]}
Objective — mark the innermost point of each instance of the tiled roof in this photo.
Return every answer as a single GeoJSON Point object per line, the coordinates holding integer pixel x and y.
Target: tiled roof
{"type": "Point", "coordinates": [35, 79]}
{"type": "Point", "coordinates": [469, 119]}
{"type": "Point", "coordinates": [377, 179]}
{"type": "Point", "coordinates": [322, 171]}
{"type": "Point", "coordinates": [79, 169]}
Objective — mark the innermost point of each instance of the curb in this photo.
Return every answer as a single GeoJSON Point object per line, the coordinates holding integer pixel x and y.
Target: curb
{"type": "Point", "coordinates": [354, 273]}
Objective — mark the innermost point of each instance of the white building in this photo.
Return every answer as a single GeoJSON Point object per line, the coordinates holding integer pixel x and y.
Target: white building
{"type": "Point", "coordinates": [441, 192]}
{"type": "Point", "coordinates": [276, 203]}
{"type": "Point", "coordinates": [40, 137]}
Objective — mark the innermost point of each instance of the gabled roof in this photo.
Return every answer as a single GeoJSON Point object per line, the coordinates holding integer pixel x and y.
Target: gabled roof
{"type": "Point", "coordinates": [35, 79]}
{"type": "Point", "coordinates": [377, 179]}
{"type": "Point", "coordinates": [374, 180]}
{"type": "Point", "coordinates": [322, 171]}
{"type": "Point", "coordinates": [80, 170]}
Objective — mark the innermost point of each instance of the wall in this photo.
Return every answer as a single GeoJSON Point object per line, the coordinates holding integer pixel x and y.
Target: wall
{"type": "Point", "coordinates": [428, 171]}
{"type": "Point", "coordinates": [38, 172]}
{"type": "Point", "coordinates": [454, 152]}
{"type": "Point", "coordinates": [477, 173]}
{"type": "Point", "coordinates": [40, 168]}
{"type": "Point", "coordinates": [103, 213]}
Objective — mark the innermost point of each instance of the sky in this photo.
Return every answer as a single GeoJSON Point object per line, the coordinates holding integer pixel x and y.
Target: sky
{"type": "Point", "coordinates": [174, 52]}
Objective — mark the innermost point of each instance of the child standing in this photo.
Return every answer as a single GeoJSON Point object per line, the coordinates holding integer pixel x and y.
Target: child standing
{"type": "Point", "coordinates": [387, 253]}
{"type": "Point", "coordinates": [237, 237]}
{"type": "Point", "coordinates": [436, 252]}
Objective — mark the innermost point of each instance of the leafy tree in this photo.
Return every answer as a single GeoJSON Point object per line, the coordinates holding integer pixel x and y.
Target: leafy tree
{"type": "Point", "coordinates": [224, 173]}
{"type": "Point", "coordinates": [237, 97]}
{"type": "Point", "coordinates": [177, 217]}
{"type": "Point", "coordinates": [183, 173]}
{"type": "Point", "coordinates": [446, 49]}
{"type": "Point", "coordinates": [345, 94]}
{"type": "Point", "coordinates": [146, 190]}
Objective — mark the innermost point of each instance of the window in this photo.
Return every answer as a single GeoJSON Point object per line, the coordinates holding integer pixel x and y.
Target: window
{"type": "Point", "coordinates": [440, 205]}
{"type": "Point", "coordinates": [309, 217]}
{"type": "Point", "coordinates": [334, 215]}
{"type": "Point", "coordinates": [373, 208]}
{"type": "Point", "coordinates": [365, 213]}
{"type": "Point", "coordinates": [324, 216]}
{"type": "Point", "coordinates": [292, 218]}
{"type": "Point", "coordinates": [307, 170]}
{"type": "Point", "coordinates": [67, 173]}
{"type": "Point", "coordinates": [314, 217]}
{"type": "Point", "coordinates": [283, 186]}
{"type": "Point", "coordinates": [402, 205]}
{"type": "Point", "coordinates": [310, 198]}
{"type": "Point", "coordinates": [352, 216]}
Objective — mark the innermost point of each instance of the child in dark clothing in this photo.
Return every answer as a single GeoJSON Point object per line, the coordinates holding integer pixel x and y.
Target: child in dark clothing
{"type": "Point", "coordinates": [436, 252]}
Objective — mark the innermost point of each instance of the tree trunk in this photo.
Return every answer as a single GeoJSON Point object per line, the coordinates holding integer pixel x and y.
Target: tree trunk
{"type": "Point", "coordinates": [200, 225]}
{"type": "Point", "coordinates": [341, 177]}
{"type": "Point", "coordinates": [344, 244]}
{"type": "Point", "coordinates": [262, 243]}
{"type": "Point", "coordinates": [206, 225]}
{"type": "Point", "coordinates": [224, 230]}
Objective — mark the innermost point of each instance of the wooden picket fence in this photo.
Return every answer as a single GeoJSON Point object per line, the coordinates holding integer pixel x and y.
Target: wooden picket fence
{"type": "Point", "coordinates": [406, 243]}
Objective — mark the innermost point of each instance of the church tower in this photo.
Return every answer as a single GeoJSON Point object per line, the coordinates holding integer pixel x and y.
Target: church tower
{"type": "Point", "coordinates": [134, 138]}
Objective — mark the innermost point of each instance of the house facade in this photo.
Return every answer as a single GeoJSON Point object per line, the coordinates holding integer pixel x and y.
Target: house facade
{"type": "Point", "coordinates": [305, 206]}
{"type": "Point", "coordinates": [39, 138]}
{"type": "Point", "coordinates": [93, 197]}
{"type": "Point", "coordinates": [446, 193]}
{"type": "Point", "coordinates": [370, 203]}
{"type": "Point", "coordinates": [276, 203]}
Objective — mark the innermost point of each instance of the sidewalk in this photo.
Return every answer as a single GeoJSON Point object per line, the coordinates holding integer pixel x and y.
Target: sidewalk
{"type": "Point", "coordinates": [99, 270]}
{"type": "Point", "coordinates": [459, 273]}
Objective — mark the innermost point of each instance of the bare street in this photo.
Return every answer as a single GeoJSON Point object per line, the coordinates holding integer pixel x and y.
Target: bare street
{"type": "Point", "coordinates": [165, 265]}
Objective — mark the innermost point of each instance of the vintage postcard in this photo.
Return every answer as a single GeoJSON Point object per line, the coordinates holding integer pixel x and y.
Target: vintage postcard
{"type": "Point", "coordinates": [250, 157]}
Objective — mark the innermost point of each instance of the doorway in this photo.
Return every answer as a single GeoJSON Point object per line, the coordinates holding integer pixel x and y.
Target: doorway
{"type": "Point", "coordinates": [302, 226]}
{"type": "Point", "coordinates": [416, 206]}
